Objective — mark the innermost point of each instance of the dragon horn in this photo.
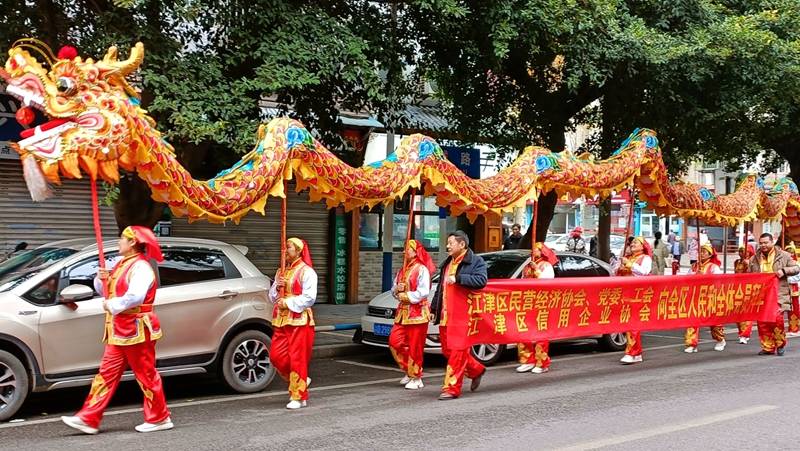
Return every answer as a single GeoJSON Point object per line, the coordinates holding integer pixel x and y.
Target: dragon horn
{"type": "Point", "coordinates": [129, 65]}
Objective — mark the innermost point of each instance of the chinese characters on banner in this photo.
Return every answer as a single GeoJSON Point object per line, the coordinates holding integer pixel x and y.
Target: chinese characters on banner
{"type": "Point", "coordinates": [525, 310]}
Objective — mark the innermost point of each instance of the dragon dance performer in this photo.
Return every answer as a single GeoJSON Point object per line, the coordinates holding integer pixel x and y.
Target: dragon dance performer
{"type": "Point", "coordinates": [412, 285]}
{"type": "Point", "coordinates": [771, 259]}
{"type": "Point", "coordinates": [535, 358]}
{"type": "Point", "coordinates": [461, 267]}
{"type": "Point", "coordinates": [131, 331]}
{"type": "Point", "coordinates": [794, 313]}
{"type": "Point", "coordinates": [741, 266]}
{"type": "Point", "coordinates": [640, 263]}
{"type": "Point", "coordinates": [708, 264]}
{"type": "Point", "coordinates": [293, 320]}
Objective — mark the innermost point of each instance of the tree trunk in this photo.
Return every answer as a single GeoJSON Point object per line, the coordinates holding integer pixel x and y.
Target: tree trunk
{"type": "Point", "coordinates": [135, 206]}
{"type": "Point", "coordinates": [546, 207]}
{"type": "Point", "coordinates": [604, 230]}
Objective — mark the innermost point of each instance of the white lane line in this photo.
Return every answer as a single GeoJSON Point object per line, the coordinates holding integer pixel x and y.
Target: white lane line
{"type": "Point", "coordinates": [342, 334]}
{"type": "Point", "coordinates": [668, 429]}
{"type": "Point", "coordinates": [367, 365]}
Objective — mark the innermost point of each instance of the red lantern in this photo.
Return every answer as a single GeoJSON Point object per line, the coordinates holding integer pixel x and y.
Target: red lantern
{"type": "Point", "coordinates": [25, 116]}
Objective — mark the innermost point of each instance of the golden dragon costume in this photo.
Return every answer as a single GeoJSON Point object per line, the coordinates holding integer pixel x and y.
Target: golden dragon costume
{"type": "Point", "coordinates": [97, 126]}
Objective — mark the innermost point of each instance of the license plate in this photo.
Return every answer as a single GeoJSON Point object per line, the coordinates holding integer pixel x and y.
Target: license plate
{"type": "Point", "coordinates": [382, 330]}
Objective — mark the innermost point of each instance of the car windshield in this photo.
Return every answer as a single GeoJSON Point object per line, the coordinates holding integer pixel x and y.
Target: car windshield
{"type": "Point", "coordinates": [503, 265]}
{"type": "Point", "coordinates": [9, 281]}
{"type": "Point", "coordinates": [35, 258]}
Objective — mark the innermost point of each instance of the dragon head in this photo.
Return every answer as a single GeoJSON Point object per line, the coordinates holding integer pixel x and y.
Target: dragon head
{"type": "Point", "coordinates": [93, 112]}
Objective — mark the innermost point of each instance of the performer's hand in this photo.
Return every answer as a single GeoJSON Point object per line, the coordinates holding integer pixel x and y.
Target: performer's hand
{"type": "Point", "coordinates": [780, 273]}
{"type": "Point", "coordinates": [451, 280]}
{"type": "Point", "coordinates": [401, 287]}
{"type": "Point", "coordinates": [280, 283]}
{"type": "Point", "coordinates": [624, 260]}
{"type": "Point", "coordinates": [105, 306]}
{"type": "Point", "coordinates": [102, 274]}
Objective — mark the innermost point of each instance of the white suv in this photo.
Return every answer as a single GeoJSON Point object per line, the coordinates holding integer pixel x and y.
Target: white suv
{"type": "Point", "coordinates": [211, 300]}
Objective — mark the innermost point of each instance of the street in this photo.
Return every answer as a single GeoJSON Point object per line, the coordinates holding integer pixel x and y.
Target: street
{"type": "Point", "coordinates": [709, 400]}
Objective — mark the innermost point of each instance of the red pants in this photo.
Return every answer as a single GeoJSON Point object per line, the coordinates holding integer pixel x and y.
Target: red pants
{"type": "Point", "coordinates": [290, 354]}
{"type": "Point", "coordinates": [528, 353]}
{"type": "Point", "coordinates": [459, 361]}
{"type": "Point", "coordinates": [794, 316]}
{"type": "Point", "coordinates": [634, 346]}
{"type": "Point", "coordinates": [745, 329]}
{"type": "Point", "coordinates": [676, 266]}
{"type": "Point", "coordinates": [693, 333]}
{"type": "Point", "coordinates": [142, 360]}
{"type": "Point", "coordinates": [407, 343]}
{"type": "Point", "coordinates": [772, 335]}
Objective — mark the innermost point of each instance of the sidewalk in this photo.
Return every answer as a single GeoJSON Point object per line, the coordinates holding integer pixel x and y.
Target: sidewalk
{"type": "Point", "coordinates": [335, 327]}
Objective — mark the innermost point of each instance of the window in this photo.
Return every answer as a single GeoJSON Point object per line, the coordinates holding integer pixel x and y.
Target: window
{"type": "Point", "coordinates": [425, 229]}
{"type": "Point", "coordinates": [182, 266]}
{"type": "Point", "coordinates": [503, 266]}
{"type": "Point", "coordinates": [45, 293]}
{"type": "Point", "coordinates": [573, 266]}
{"type": "Point", "coordinates": [83, 272]}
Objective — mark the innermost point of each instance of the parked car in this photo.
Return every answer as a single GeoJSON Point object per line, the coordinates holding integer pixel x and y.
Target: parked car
{"type": "Point", "coordinates": [559, 244]}
{"type": "Point", "coordinates": [377, 323]}
{"type": "Point", "coordinates": [212, 303]}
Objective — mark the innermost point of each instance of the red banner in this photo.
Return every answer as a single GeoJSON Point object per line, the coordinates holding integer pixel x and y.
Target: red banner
{"type": "Point", "coordinates": [526, 310]}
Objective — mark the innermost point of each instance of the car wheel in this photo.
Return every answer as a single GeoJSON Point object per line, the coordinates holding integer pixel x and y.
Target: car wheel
{"type": "Point", "coordinates": [613, 342]}
{"type": "Point", "coordinates": [14, 385]}
{"type": "Point", "coordinates": [488, 355]}
{"type": "Point", "coordinates": [246, 367]}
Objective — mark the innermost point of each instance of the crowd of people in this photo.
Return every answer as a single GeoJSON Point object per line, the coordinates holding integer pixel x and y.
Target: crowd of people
{"type": "Point", "coordinates": [132, 327]}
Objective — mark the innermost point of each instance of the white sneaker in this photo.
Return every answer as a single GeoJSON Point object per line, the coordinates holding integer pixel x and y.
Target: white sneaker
{"type": "Point", "coordinates": [720, 346]}
{"type": "Point", "coordinates": [153, 427]}
{"type": "Point", "coordinates": [628, 359]}
{"type": "Point", "coordinates": [293, 405]}
{"type": "Point", "coordinates": [743, 340]}
{"type": "Point", "coordinates": [414, 384]}
{"type": "Point", "coordinates": [77, 423]}
{"type": "Point", "coordinates": [525, 367]}
{"type": "Point", "coordinates": [690, 349]}
{"type": "Point", "coordinates": [308, 382]}
{"type": "Point", "coordinates": [405, 380]}
{"type": "Point", "coordinates": [539, 370]}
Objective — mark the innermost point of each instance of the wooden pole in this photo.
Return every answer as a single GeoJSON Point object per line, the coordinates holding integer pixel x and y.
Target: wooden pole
{"type": "Point", "coordinates": [628, 224]}
{"type": "Point", "coordinates": [411, 203]}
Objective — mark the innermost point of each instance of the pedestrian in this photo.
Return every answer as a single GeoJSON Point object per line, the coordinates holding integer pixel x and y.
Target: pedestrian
{"type": "Point", "coordinates": [293, 320]}
{"type": "Point", "coordinates": [676, 251]}
{"type": "Point", "coordinates": [593, 246]}
{"type": "Point", "coordinates": [461, 267]}
{"type": "Point", "coordinates": [639, 263]}
{"type": "Point", "coordinates": [412, 285]}
{"type": "Point", "coordinates": [708, 264]}
{"type": "Point", "coordinates": [512, 242]}
{"type": "Point", "coordinates": [794, 313]}
{"type": "Point", "coordinates": [741, 266]}
{"type": "Point", "coordinates": [131, 331]}
{"type": "Point", "coordinates": [576, 243]}
{"type": "Point", "coordinates": [534, 357]}
{"type": "Point", "coordinates": [660, 254]}
{"type": "Point", "coordinates": [694, 248]}
{"type": "Point", "coordinates": [771, 259]}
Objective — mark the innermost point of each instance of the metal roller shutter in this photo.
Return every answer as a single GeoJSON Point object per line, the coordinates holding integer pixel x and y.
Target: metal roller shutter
{"type": "Point", "coordinates": [68, 214]}
{"type": "Point", "coordinates": [261, 234]}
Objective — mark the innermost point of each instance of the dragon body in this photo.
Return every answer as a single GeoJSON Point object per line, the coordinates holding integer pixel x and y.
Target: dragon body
{"type": "Point", "coordinates": [97, 127]}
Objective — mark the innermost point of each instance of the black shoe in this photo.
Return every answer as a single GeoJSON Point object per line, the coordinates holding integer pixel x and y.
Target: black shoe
{"type": "Point", "coordinates": [476, 382]}
{"type": "Point", "coordinates": [781, 351]}
{"type": "Point", "coordinates": [763, 352]}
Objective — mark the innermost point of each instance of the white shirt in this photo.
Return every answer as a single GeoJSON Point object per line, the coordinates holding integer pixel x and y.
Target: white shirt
{"type": "Point", "coordinates": [304, 300]}
{"type": "Point", "coordinates": [140, 278]}
{"type": "Point", "coordinates": [643, 268]}
{"type": "Point", "coordinates": [423, 286]}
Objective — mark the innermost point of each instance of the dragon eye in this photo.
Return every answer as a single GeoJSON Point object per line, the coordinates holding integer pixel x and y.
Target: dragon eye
{"type": "Point", "coordinates": [65, 86]}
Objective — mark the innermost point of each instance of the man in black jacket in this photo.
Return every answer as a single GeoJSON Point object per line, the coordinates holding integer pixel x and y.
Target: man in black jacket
{"type": "Point", "coordinates": [461, 267]}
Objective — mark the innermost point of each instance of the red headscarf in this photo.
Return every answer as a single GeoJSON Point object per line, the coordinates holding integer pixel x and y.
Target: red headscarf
{"type": "Point", "coordinates": [646, 248]}
{"type": "Point", "coordinates": [750, 250]}
{"type": "Point", "coordinates": [547, 253]}
{"type": "Point", "coordinates": [143, 235]}
{"type": "Point", "coordinates": [302, 246]}
{"type": "Point", "coordinates": [577, 231]}
{"type": "Point", "coordinates": [714, 257]}
{"type": "Point", "coordinates": [423, 257]}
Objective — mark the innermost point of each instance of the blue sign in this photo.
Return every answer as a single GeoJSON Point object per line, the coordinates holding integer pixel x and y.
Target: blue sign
{"type": "Point", "coordinates": [9, 127]}
{"type": "Point", "coordinates": [468, 159]}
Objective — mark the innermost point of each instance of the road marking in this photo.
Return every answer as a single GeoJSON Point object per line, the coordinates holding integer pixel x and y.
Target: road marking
{"type": "Point", "coordinates": [367, 365]}
{"type": "Point", "coordinates": [668, 429]}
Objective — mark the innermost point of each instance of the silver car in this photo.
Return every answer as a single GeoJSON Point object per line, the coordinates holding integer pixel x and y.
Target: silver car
{"type": "Point", "coordinates": [377, 324]}
{"type": "Point", "coordinates": [211, 300]}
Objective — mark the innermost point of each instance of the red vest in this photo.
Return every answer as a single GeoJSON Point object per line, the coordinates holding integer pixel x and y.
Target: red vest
{"type": "Point", "coordinates": [135, 325]}
{"type": "Point", "coordinates": [628, 270]}
{"type": "Point", "coordinates": [294, 280]}
{"type": "Point", "coordinates": [541, 265]}
{"type": "Point", "coordinates": [408, 313]}
{"type": "Point", "coordinates": [704, 268]}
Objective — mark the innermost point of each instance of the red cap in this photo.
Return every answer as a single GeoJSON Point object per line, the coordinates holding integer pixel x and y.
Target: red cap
{"type": "Point", "coordinates": [143, 235]}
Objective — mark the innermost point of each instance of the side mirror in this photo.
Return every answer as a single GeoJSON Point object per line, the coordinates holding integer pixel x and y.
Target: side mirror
{"type": "Point", "coordinates": [75, 293]}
